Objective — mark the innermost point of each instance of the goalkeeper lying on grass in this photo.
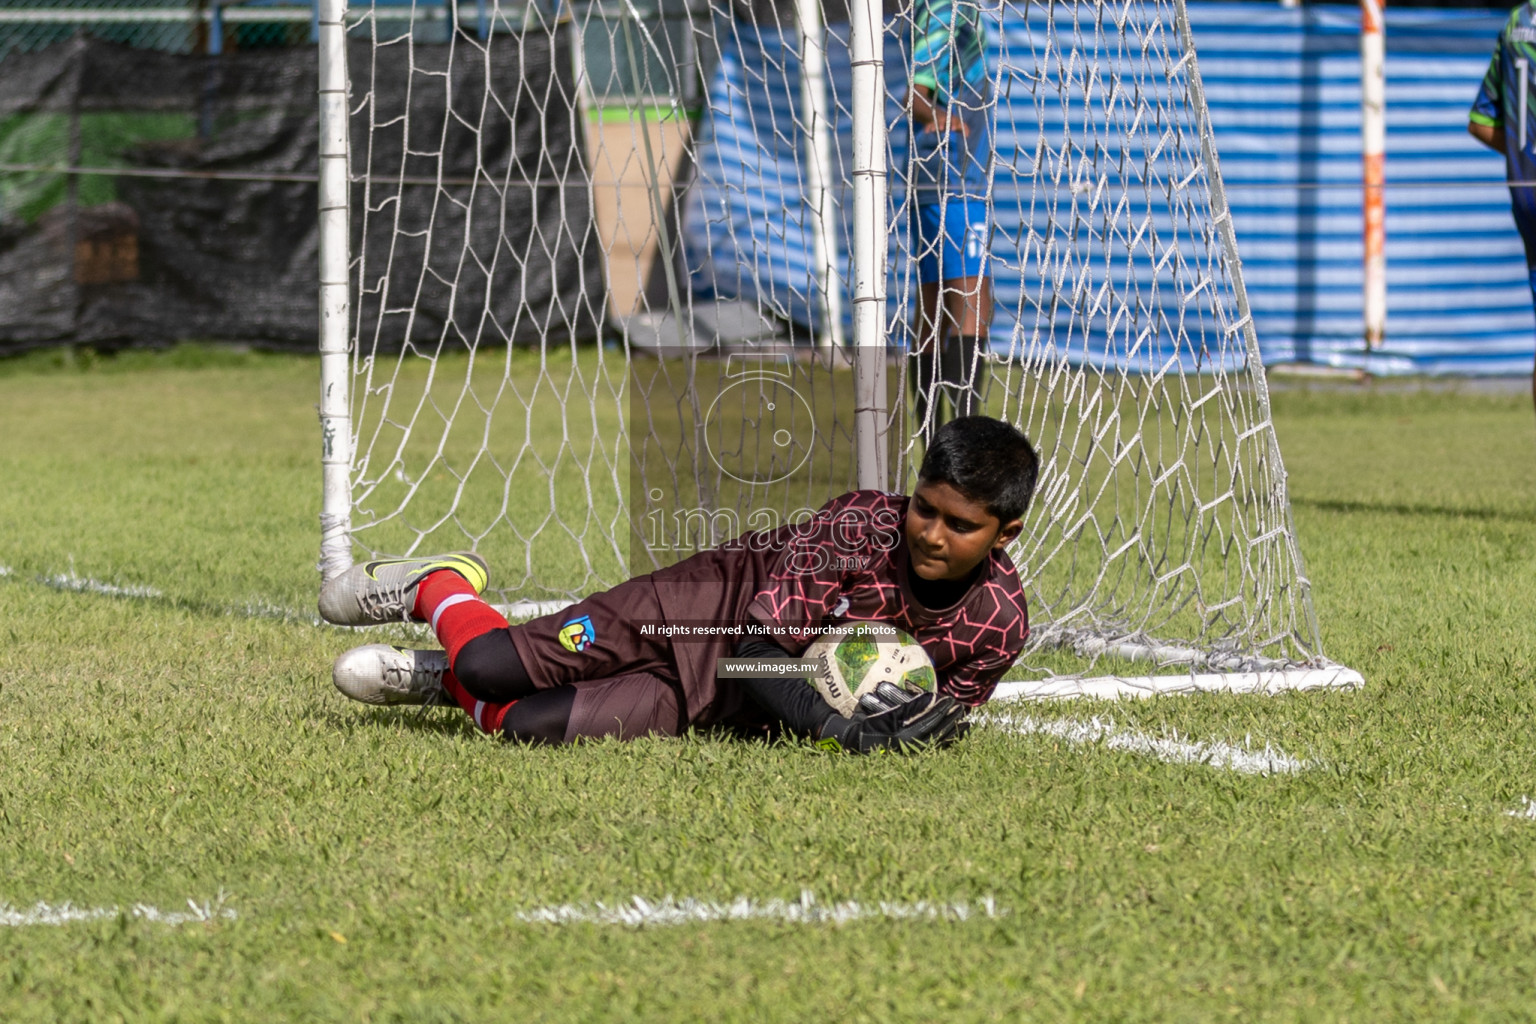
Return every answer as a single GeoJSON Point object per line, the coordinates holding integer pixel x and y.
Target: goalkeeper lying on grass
{"type": "Point", "coordinates": [616, 664]}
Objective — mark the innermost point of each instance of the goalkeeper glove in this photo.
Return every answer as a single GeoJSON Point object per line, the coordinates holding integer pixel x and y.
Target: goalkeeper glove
{"type": "Point", "coordinates": [891, 718]}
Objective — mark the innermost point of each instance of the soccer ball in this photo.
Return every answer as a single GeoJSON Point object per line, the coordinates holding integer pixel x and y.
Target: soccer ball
{"type": "Point", "coordinates": [856, 657]}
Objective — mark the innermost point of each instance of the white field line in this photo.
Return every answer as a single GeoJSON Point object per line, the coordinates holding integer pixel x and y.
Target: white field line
{"type": "Point", "coordinates": [259, 609]}
{"type": "Point", "coordinates": [638, 912]}
{"type": "Point", "coordinates": [268, 610]}
{"type": "Point", "coordinates": [85, 585]}
{"type": "Point", "coordinates": [1174, 749]}
{"type": "Point", "coordinates": [74, 583]}
{"type": "Point", "coordinates": [68, 913]}
{"type": "Point", "coordinates": [1527, 809]}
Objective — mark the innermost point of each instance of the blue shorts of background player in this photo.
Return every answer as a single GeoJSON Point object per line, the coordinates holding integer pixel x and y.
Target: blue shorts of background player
{"type": "Point", "coordinates": [952, 237]}
{"type": "Point", "coordinates": [1525, 223]}
{"type": "Point", "coordinates": [1522, 206]}
{"type": "Point", "coordinates": [951, 230]}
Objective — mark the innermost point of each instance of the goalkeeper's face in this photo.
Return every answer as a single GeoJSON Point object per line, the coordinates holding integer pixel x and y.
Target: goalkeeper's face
{"type": "Point", "coordinates": [949, 534]}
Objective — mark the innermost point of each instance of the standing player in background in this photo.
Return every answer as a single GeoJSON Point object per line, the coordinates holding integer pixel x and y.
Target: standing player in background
{"type": "Point", "coordinates": [1501, 119]}
{"type": "Point", "coordinates": [950, 100]}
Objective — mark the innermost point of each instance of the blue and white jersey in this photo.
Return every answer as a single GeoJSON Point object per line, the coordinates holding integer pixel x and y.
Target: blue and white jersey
{"type": "Point", "coordinates": [949, 56]}
{"type": "Point", "coordinates": [949, 53]}
{"type": "Point", "coordinates": [1507, 100]}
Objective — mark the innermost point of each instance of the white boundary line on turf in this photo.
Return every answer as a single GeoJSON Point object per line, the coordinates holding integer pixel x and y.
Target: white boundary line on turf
{"type": "Point", "coordinates": [253, 609]}
{"type": "Point", "coordinates": [84, 585]}
{"type": "Point", "coordinates": [68, 913]}
{"type": "Point", "coordinates": [1527, 809]}
{"type": "Point", "coordinates": [1174, 749]}
{"type": "Point", "coordinates": [639, 912]}
{"type": "Point", "coordinates": [516, 611]}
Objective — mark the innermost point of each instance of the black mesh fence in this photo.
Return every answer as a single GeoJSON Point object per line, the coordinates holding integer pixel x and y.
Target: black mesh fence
{"type": "Point", "coordinates": [147, 197]}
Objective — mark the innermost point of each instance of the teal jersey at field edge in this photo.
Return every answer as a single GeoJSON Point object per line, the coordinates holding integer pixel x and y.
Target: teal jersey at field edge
{"type": "Point", "coordinates": [949, 51]}
{"type": "Point", "coordinates": [1507, 97]}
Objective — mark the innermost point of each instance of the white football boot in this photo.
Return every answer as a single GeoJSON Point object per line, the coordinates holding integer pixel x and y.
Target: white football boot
{"type": "Point", "coordinates": [382, 674]}
{"type": "Point", "coordinates": [384, 589]}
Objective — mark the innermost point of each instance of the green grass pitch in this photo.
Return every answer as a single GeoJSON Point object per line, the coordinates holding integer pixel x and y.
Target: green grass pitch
{"type": "Point", "coordinates": [168, 732]}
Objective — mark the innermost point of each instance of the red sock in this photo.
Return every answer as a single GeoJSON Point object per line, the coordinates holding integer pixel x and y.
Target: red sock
{"type": "Point", "coordinates": [450, 604]}
{"type": "Point", "coordinates": [487, 716]}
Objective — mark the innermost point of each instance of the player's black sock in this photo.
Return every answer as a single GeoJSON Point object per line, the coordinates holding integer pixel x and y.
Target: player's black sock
{"type": "Point", "coordinates": [962, 373]}
{"type": "Point", "coordinates": [541, 719]}
{"type": "Point", "coordinates": [489, 668]}
{"type": "Point", "coordinates": [923, 374]}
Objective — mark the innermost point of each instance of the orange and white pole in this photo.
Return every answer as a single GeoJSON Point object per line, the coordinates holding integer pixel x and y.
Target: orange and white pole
{"type": "Point", "coordinates": [1373, 138]}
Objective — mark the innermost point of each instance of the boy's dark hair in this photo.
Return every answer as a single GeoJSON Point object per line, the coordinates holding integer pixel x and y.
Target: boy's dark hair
{"type": "Point", "coordinates": [986, 460]}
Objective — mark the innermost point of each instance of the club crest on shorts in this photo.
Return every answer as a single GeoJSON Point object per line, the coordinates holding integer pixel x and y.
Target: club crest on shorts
{"type": "Point", "coordinates": [578, 634]}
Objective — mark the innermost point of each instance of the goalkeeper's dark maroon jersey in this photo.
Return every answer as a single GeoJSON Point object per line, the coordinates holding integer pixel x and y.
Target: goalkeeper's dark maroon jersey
{"type": "Point", "coordinates": [849, 563]}
{"type": "Point", "coordinates": [854, 566]}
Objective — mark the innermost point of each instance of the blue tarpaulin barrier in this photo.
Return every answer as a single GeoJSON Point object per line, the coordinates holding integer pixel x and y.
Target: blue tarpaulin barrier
{"type": "Point", "coordinates": [1283, 87]}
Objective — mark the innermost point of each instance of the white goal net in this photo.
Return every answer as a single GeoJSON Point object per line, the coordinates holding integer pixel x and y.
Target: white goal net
{"type": "Point", "coordinates": [604, 281]}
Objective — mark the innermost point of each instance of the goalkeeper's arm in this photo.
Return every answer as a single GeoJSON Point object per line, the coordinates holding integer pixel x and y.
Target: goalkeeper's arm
{"type": "Point", "coordinates": [889, 719]}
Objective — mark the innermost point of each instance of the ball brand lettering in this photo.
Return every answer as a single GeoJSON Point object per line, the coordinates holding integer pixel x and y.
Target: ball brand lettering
{"type": "Point", "coordinates": [855, 658]}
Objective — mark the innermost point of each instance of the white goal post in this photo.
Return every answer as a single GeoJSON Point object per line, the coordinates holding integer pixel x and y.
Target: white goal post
{"type": "Point", "coordinates": [605, 282]}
